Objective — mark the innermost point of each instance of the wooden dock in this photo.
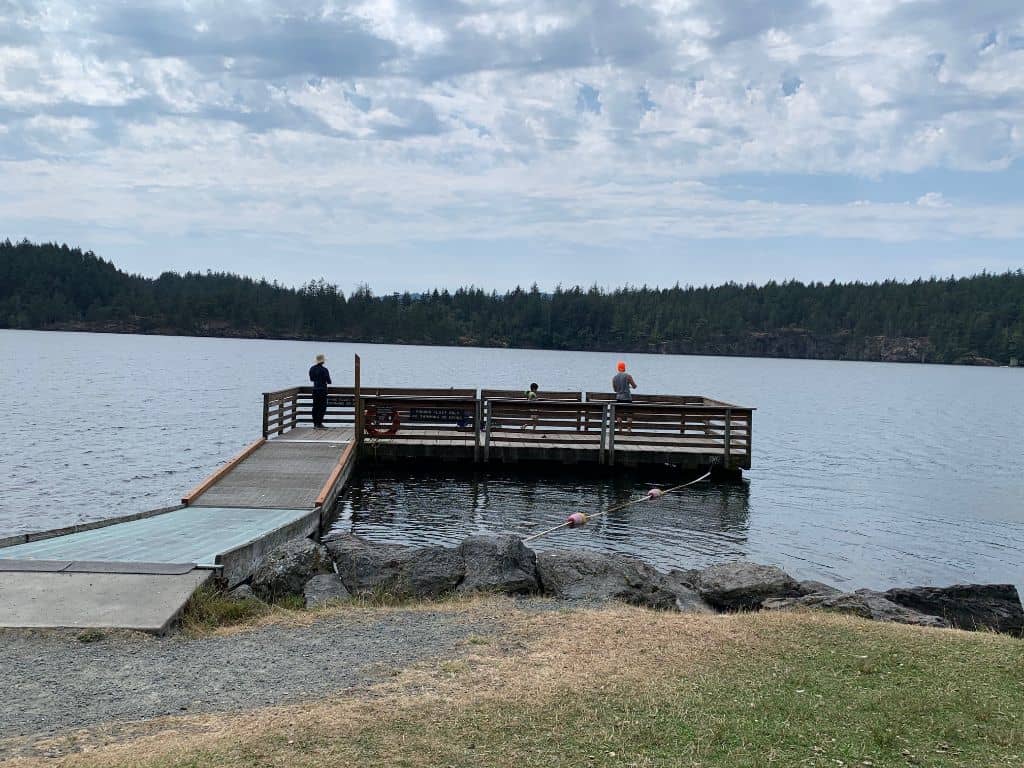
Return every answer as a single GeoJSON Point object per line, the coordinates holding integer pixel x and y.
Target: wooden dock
{"type": "Point", "coordinates": [138, 571]}
{"type": "Point", "coordinates": [688, 432]}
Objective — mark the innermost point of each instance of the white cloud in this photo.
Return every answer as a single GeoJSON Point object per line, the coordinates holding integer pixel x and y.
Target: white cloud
{"type": "Point", "coordinates": [386, 120]}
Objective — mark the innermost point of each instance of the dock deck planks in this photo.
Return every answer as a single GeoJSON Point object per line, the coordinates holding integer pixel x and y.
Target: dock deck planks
{"type": "Point", "coordinates": [284, 473]}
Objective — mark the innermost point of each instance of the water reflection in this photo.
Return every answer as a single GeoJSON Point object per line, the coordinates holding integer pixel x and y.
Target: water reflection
{"type": "Point", "coordinates": [699, 525]}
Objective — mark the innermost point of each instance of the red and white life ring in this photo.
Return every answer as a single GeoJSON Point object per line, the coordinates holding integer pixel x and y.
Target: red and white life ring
{"type": "Point", "coordinates": [374, 426]}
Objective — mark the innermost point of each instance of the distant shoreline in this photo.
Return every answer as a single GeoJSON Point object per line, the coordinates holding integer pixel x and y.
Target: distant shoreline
{"type": "Point", "coordinates": [976, 320]}
{"type": "Point", "coordinates": [976, 362]}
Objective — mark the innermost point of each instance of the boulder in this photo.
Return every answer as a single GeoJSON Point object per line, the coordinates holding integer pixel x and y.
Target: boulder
{"type": "Point", "coordinates": [741, 585]}
{"type": "Point", "coordinates": [595, 576]}
{"type": "Point", "coordinates": [688, 600]}
{"type": "Point", "coordinates": [498, 563]}
{"type": "Point", "coordinates": [429, 572]}
{"type": "Point", "coordinates": [242, 592]}
{"type": "Point", "coordinates": [687, 578]}
{"type": "Point", "coordinates": [880, 608]}
{"type": "Point", "coordinates": [366, 566]}
{"type": "Point", "coordinates": [817, 588]}
{"type": "Point", "coordinates": [325, 589]}
{"type": "Point", "coordinates": [864, 603]}
{"type": "Point", "coordinates": [390, 569]}
{"type": "Point", "coordinates": [285, 570]}
{"type": "Point", "coordinates": [969, 606]}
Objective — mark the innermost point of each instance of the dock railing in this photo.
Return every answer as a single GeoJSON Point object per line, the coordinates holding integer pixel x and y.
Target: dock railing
{"type": "Point", "coordinates": [521, 420]}
{"type": "Point", "coordinates": [496, 417]}
{"type": "Point", "coordinates": [287, 409]}
{"type": "Point", "coordinates": [711, 429]}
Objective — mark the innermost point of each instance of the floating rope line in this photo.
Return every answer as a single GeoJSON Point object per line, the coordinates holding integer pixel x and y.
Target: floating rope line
{"type": "Point", "coordinates": [577, 519]}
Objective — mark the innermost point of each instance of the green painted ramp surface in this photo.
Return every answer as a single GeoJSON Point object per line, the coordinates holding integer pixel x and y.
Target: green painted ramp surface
{"type": "Point", "coordinates": [190, 535]}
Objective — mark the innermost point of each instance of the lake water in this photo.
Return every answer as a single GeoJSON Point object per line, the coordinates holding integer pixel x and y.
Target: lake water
{"type": "Point", "coordinates": [864, 474]}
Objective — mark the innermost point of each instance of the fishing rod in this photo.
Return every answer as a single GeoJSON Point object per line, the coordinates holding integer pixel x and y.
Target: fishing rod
{"type": "Point", "coordinates": [577, 519]}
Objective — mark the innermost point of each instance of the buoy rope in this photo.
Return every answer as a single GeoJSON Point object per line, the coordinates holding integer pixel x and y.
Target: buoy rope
{"type": "Point", "coordinates": [579, 518]}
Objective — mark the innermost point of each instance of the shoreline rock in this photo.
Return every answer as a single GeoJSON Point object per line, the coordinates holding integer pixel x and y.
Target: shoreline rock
{"type": "Point", "coordinates": [286, 569]}
{"type": "Point", "coordinates": [503, 564]}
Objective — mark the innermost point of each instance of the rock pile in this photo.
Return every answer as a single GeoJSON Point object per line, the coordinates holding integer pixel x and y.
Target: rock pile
{"type": "Point", "coordinates": [501, 563]}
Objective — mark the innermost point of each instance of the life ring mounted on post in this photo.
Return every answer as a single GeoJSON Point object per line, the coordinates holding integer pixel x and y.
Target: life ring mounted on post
{"type": "Point", "coordinates": [375, 421]}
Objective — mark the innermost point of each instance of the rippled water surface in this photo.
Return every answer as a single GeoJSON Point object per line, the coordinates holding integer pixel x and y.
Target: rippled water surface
{"type": "Point", "coordinates": [866, 474]}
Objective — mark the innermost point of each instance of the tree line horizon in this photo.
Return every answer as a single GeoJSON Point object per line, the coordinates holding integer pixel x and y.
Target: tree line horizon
{"type": "Point", "coordinates": [975, 319]}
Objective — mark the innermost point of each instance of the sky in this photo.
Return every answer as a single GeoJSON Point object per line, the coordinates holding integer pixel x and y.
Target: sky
{"type": "Point", "coordinates": [408, 144]}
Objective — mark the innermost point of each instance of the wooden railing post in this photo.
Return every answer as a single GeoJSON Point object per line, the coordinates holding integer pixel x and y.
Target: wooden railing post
{"type": "Point", "coordinates": [604, 435]}
{"type": "Point", "coordinates": [280, 415]}
{"type": "Point", "coordinates": [728, 434]}
{"type": "Point", "coordinates": [266, 414]}
{"type": "Point", "coordinates": [477, 413]}
{"type": "Point", "coordinates": [357, 400]}
{"type": "Point", "coordinates": [750, 436]}
{"type": "Point", "coordinates": [611, 434]}
{"type": "Point", "coordinates": [487, 432]}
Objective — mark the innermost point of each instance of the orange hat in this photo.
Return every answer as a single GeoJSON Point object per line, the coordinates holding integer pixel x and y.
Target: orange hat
{"type": "Point", "coordinates": [621, 366]}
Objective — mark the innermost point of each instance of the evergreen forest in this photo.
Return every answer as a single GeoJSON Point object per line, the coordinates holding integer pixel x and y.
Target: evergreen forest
{"type": "Point", "coordinates": [972, 320]}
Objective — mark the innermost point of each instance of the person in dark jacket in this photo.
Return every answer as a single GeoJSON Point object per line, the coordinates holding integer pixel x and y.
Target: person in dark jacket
{"type": "Point", "coordinates": [320, 377]}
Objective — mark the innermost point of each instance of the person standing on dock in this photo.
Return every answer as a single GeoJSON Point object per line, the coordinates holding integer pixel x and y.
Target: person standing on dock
{"type": "Point", "coordinates": [320, 377]}
{"type": "Point", "coordinates": [622, 383]}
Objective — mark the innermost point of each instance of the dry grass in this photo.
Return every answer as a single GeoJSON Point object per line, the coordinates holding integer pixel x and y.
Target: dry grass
{"type": "Point", "coordinates": [211, 611]}
{"type": "Point", "coordinates": [627, 686]}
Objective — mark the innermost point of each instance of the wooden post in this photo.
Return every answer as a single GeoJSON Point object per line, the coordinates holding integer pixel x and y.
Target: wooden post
{"type": "Point", "coordinates": [604, 435]}
{"type": "Point", "coordinates": [611, 434]}
{"type": "Point", "coordinates": [295, 410]}
{"type": "Point", "coordinates": [750, 436]}
{"type": "Point", "coordinates": [280, 415]}
{"type": "Point", "coordinates": [487, 432]}
{"type": "Point", "coordinates": [266, 414]}
{"type": "Point", "coordinates": [478, 412]}
{"type": "Point", "coordinates": [728, 434]}
{"type": "Point", "coordinates": [357, 400]}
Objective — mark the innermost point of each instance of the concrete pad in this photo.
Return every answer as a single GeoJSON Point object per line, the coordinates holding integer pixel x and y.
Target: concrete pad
{"type": "Point", "coordinates": [191, 535]}
{"type": "Point", "coordinates": [144, 602]}
{"type": "Point", "coordinates": [50, 566]}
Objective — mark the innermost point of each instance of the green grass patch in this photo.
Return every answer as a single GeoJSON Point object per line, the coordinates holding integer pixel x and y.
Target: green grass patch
{"type": "Point", "coordinates": [813, 694]}
{"type": "Point", "coordinates": [211, 608]}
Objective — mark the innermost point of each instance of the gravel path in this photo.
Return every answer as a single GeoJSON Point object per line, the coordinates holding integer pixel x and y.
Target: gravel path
{"type": "Point", "coordinates": [54, 682]}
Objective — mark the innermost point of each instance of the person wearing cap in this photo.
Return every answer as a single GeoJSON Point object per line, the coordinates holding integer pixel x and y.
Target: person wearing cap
{"type": "Point", "coordinates": [320, 377]}
{"type": "Point", "coordinates": [622, 383]}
